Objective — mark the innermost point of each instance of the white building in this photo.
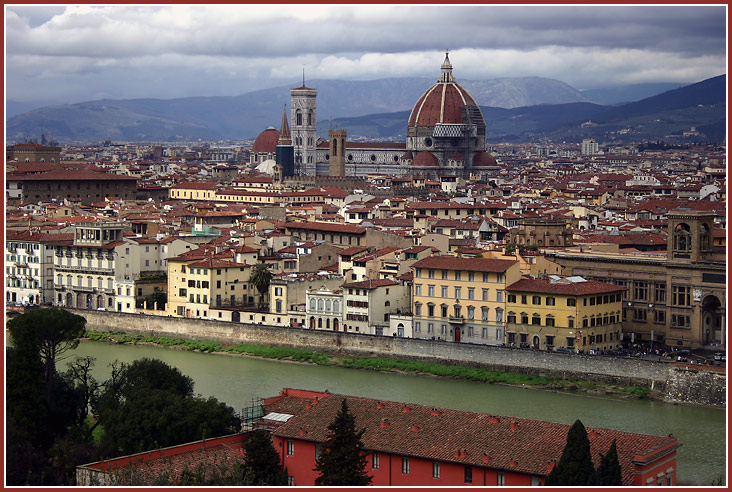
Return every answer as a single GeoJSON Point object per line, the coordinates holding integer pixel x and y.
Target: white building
{"type": "Point", "coordinates": [29, 267]}
{"type": "Point", "coordinates": [589, 147]}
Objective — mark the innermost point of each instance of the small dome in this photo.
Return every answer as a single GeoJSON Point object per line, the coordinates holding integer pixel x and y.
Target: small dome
{"type": "Point", "coordinates": [425, 159]}
{"type": "Point", "coordinates": [266, 141]}
{"type": "Point", "coordinates": [407, 155]}
{"type": "Point", "coordinates": [484, 159]}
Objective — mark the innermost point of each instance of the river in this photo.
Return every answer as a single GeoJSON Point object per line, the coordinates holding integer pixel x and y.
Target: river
{"type": "Point", "coordinates": [239, 380]}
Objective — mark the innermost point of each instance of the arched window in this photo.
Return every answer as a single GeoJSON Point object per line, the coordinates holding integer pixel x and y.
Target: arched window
{"type": "Point", "coordinates": [336, 306]}
{"type": "Point", "coordinates": [320, 322]}
{"type": "Point", "coordinates": [327, 305]}
{"type": "Point", "coordinates": [320, 304]}
{"type": "Point", "coordinates": [310, 118]}
{"type": "Point", "coordinates": [298, 118]}
{"type": "Point", "coordinates": [682, 238]}
{"type": "Point", "coordinates": [312, 304]}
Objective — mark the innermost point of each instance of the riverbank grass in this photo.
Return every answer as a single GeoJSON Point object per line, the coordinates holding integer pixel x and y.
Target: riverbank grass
{"type": "Point", "coordinates": [371, 363]}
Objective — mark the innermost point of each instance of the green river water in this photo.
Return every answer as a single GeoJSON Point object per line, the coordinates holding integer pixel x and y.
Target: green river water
{"type": "Point", "coordinates": [238, 380]}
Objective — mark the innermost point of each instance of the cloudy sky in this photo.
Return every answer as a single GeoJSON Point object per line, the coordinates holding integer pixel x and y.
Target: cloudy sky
{"type": "Point", "coordinates": [58, 54]}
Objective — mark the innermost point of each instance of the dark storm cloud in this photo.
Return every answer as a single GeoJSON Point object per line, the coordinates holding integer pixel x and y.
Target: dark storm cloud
{"type": "Point", "coordinates": [165, 51]}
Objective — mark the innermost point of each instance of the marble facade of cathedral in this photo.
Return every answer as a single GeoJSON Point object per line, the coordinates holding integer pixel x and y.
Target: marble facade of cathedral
{"type": "Point", "coordinates": [445, 137]}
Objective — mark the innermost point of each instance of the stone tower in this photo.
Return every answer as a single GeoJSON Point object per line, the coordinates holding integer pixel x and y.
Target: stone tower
{"type": "Point", "coordinates": [303, 128]}
{"type": "Point", "coordinates": [284, 150]}
{"type": "Point", "coordinates": [337, 152]}
{"type": "Point", "coordinates": [690, 236]}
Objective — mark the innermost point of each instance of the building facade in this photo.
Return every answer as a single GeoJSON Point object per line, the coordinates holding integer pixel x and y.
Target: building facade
{"type": "Point", "coordinates": [553, 312]}
{"type": "Point", "coordinates": [461, 299]}
{"type": "Point", "coordinates": [676, 299]}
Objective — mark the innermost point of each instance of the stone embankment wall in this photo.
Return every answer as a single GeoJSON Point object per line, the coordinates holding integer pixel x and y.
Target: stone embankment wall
{"type": "Point", "coordinates": [687, 384]}
{"type": "Point", "coordinates": [613, 370]}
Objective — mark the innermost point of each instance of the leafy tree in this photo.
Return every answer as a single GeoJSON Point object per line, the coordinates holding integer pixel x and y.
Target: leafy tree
{"type": "Point", "coordinates": [149, 404]}
{"type": "Point", "coordinates": [49, 332]}
{"type": "Point", "coordinates": [156, 300]}
{"type": "Point", "coordinates": [609, 473]}
{"type": "Point", "coordinates": [260, 279]}
{"type": "Point", "coordinates": [575, 465]}
{"type": "Point", "coordinates": [342, 460]}
{"type": "Point", "coordinates": [43, 406]}
{"type": "Point", "coordinates": [262, 461]}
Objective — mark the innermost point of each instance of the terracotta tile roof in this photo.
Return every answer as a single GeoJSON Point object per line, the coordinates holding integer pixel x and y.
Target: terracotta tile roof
{"type": "Point", "coordinates": [353, 250]}
{"type": "Point", "coordinates": [70, 175]}
{"type": "Point", "coordinates": [465, 264]}
{"type": "Point", "coordinates": [370, 284]}
{"type": "Point", "coordinates": [195, 185]}
{"type": "Point", "coordinates": [216, 263]}
{"type": "Point", "coordinates": [508, 443]}
{"type": "Point", "coordinates": [547, 286]}
{"type": "Point", "coordinates": [325, 227]}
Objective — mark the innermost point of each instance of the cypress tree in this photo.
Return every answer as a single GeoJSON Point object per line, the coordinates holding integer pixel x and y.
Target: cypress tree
{"type": "Point", "coordinates": [609, 473]}
{"type": "Point", "coordinates": [575, 465]}
{"type": "Point", "coordinates": [262, 462]}
{"type": "Point", "coordinates": [342, 460]}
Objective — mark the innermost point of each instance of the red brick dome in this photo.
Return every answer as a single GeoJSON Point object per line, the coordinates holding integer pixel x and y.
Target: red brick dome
{"type": "Point", "coordinates": [440, 104]}
{"type": "Point", "coordinates": [266, 141]}
{"type": "Point", "coordinates": [483, 159]}
{"type": "Point", "coordinates": [425, 159]}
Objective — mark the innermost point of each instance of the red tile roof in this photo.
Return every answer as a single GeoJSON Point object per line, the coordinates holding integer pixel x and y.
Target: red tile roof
{"type": "Point", "coordinates": [547, 286]}
{"type": "Point", "coordinates": [465, 264]}
{"type": "Point", "coordinates": [325, 227]}
{"type": "Point", "coordinates": [500, 442]}
{"type": "Point", "coordinates": [70, 175]}
{"type": "Point", "coordinates": [370, 284]}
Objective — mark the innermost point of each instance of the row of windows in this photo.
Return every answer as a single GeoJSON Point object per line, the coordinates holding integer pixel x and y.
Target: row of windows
{"type": "Point", "coordinates": [320, 305]}
{"type": "Point", "coordinates": [28, 246]}
{"type": "Point", "coordinates": [80, 281]}
{"type": "Point", "coordinates": [458, 292]}
{"type": "Point", "coordinates": [457, 275]}
{"type": "Point", "coordinates": [587, 322]}
{"type": "Point", "coordinates": [457, 311]}
{"type": "Point", "coordinates": [470, 331]}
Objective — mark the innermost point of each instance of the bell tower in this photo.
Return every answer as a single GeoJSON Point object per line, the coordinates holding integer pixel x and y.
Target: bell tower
{"type": "Point", "coordinates": [303, 128]}
{"type": "Point", "coordinates": [337, 152]}
{"type": "Point", "coordinates": [690, 236]}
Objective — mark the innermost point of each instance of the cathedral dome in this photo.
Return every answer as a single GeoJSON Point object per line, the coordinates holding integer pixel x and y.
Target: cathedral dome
{"type": "Point", "coordinates": [266, 141]}
{"type": "Point", "coordinates": [442, 102]}
{"type": "Point", "coordinates": [484, 159]}
{"type": "Point", "coordinates": [425, 159]}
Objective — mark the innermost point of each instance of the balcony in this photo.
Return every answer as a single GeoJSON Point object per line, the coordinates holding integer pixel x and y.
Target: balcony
{"type": "Point", "coordinates": [456, 320]}
{"type": "Point", "coordinates": [84, 269]}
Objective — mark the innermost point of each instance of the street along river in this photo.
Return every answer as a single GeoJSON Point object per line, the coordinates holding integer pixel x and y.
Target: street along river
{"type": "Point", "coordinates": [239, 380]}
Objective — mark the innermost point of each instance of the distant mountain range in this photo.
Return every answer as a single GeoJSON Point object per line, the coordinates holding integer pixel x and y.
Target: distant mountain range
{"type": "Point", "coordinates": [665, 116]}
{"type": "Point", "coordinates": [514, 108]}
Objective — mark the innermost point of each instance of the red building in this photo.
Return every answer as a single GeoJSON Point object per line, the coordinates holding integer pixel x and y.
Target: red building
{"type": "Point", "coordinates": [414, 445]}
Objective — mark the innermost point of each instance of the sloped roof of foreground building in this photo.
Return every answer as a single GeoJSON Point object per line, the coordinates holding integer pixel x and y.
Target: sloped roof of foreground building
{"type": "Point", "coordinates": [469, 438]}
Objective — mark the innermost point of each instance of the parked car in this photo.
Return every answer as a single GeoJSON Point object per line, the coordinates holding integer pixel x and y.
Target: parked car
{"type": "Point", "coordinates": [719, 356]}
{"type": "Point", "coordinates": [564, 350]}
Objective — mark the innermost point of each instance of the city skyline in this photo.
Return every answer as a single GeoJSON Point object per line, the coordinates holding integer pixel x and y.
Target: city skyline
{"type": "Point", "coordinates": [59, 54]}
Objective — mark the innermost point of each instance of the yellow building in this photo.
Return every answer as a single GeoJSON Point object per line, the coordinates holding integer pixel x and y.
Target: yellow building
{"type": "Point", "coordinates": [197, 285]}
{"type": "Point", "coordinates": [553, 312]}
{"type": "Point", "coordinates": [461, 299]}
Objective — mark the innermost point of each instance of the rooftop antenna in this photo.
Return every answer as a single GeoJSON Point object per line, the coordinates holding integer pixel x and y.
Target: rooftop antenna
{"type": "Point", "coordinates": [303, 75]}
